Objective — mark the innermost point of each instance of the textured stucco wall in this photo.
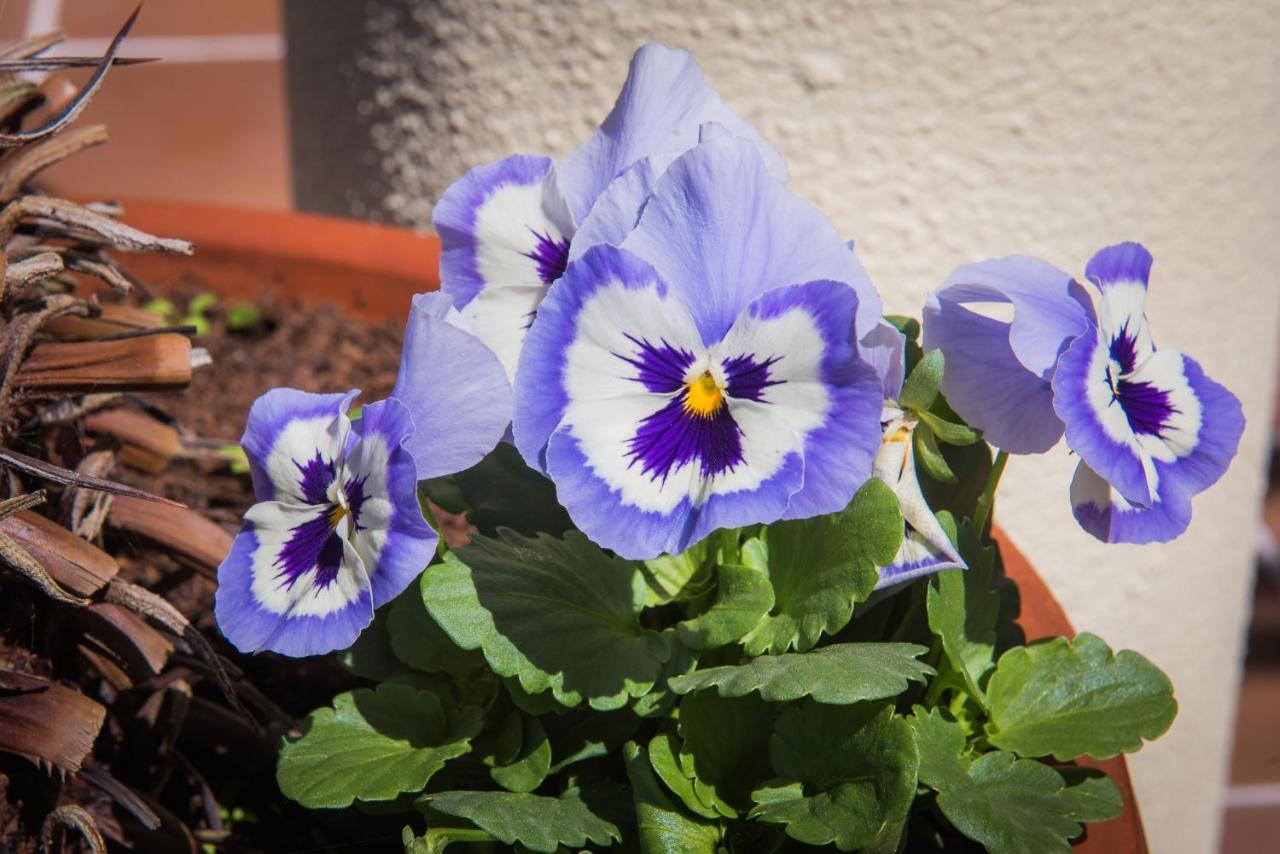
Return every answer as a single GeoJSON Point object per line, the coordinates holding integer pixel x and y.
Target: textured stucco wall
{"type": "Point", "coordinates": [936, 134]}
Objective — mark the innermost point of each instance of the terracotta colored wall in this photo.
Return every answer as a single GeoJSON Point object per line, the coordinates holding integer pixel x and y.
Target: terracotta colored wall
{"type": "Point", "coordinates": [938, 133]}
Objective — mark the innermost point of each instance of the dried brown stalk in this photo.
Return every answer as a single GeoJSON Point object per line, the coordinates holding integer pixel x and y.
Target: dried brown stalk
{"type": "Point", "coordinates": [71, 817]}
{"type": "Point", "coordinates": [81, 101]}
{"type": "Point", "coordinates": [155, 608]}
{"type": "Point", "coordinates": [26, 162]}
{"type": "Point", "coordinates": [83, 222]}
{"type": "Point", "coordinates": [19, 274]}
{"type": "Point", "coordinates": [58, 474]}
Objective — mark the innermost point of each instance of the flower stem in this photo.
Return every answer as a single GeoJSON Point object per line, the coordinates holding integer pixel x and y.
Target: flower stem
{"type": "Point", "coordinates": [729, 546]}
{"type": "Point", "coordinates": [982, 511]}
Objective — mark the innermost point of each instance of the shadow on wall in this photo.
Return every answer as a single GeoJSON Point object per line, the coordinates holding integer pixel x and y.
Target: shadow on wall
{"type": "Point", "coordinates": [355, 96]}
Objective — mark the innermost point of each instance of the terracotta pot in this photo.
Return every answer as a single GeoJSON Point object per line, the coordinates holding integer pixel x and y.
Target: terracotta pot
{"type": "Point", "coordinates": [375, 270]}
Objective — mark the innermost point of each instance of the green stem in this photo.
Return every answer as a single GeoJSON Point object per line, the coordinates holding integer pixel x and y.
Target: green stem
{"type": "Point", "coordinates": [729, 546]}
{"type": "Point", "coordinates": [430, 516]}
{"type": "Point", "coordinates": [982, 511]}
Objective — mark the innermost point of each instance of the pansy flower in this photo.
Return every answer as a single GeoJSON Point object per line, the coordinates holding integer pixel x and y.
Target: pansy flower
{"type": "Point", "coordinates": [702, 375]}
{"type": "Point", "coordinates": [1151, 429]}
{"type": "Point", "coordinates": [506, 228]}
{"type": "Point", "coordinates": [338, 530]}
{"type": "Point", "coordinates": [925, 548]}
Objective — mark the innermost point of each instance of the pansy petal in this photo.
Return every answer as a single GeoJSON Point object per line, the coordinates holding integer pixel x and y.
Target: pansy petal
{"type": "Point", "coordinates": [822, 400]}
{"type": "Point", "coordinates": [453, 386]}
{"type": "Point", "coordinates": [503, 224]}
{"type": "Point", "coordinates": [1104, 513]}
{"type": "Point", "coordinates": [998, 372]}
{"type": "Point", "coordinates": [618, 209]}
{"type": "Point", "coordinates": [663, 102]}
{"type": "Point", "coordinates": [722, 231]}
{"type": "Point", "coordinates": [393, 539]}
{"type": "Point", "coordinates": [984, 381]}
{"type": "Point", "coordinates": [294, 440]}
{"type": "Point", "coordinates": [257, 608]}
{"type": "Point", "coordinates": [1217, 440]}
{"type": "Point", "coordinates": [584, 348]}
{"type": "Point", "coordinates": [925, 548]}
{"type": "Point", "coordinates": [1121, 273]}
{"type": "Point", "coordinates": [884, 349]}
{"type": "Point", "coordinates": [1097, 426]}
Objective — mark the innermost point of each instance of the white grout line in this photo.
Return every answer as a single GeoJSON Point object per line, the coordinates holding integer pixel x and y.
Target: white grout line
{"type": "Point", "coordinates": [42, 17]}
{"type": "Point", "coordinates": [256, 47]}
{"type": "Point", "coordinates": [1252, 795]}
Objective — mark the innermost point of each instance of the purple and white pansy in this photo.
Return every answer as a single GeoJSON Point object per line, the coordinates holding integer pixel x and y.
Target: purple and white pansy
{"type": "Point", "coordinates": [925, 548]}
{"type": "Point", "coordinates": [702, 375]}
{"type": "Point", "coordinates": [1150, 428]}
{"type": "Point", "coordinates": [508, 228]}
{"type": "Point", "coordinates": [337, 530]}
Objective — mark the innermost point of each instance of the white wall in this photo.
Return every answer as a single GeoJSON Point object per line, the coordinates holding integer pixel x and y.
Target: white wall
{"type": "Point", "coordinates": [940, 133]}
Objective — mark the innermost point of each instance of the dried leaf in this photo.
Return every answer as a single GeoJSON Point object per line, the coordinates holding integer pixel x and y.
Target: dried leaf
{"type": "Point", "coordinates": [78, 566]}
{"type": "Point", "coordinates": [47, 723]}
{"type": "Point", "coordinates": [135, 647]}
{"type": "Point", "coordinates": [146, 443]}
{"type": "Point", "coordinates": [111, 321]}
{"type": "Point", "coordinates": [148, 363]}
{"type": "Point", "coordinates": [183, 531]}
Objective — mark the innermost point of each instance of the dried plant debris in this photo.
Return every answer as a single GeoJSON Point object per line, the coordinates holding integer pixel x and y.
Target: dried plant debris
{"type": "Point", "coordinates": [121, 722]}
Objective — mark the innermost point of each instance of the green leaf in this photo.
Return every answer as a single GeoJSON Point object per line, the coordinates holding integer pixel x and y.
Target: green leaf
{"type": "Point", "coordinates": [840, 674]}
{"type": "Point", "coordinates": [371, 656]}
{"type": "Point", "coordinates": [418, 641]}
{"type": "Point", "coordinates": [526, 771]}
{"type": "Point", "coordinates": [660, 699]}
{"type": "Point", "coordinates": [668, 575]}
{"type": "Point", "coordinates": [820, 567]}
{"type": "Point", "coordinates": [1094, 795]}
{"type": "Point", "coordinates": [503, 492]}
{"type": "Point", "coordinates": [964, 610]}
{"type": "Point", "coordinates": [930, 456]}
{"type": "Point", "coordinates": [537, 822]}
{"type": "Point", "coordinates": [743, 597]}
{"type": "Point", "coordinates": [971, 464]}
{"type": "Point", "coordinates": [948, 431]}
{"type": "Point", "coordinates": [242, 316]}
{"type": "Point", "coordinates": [846, 775]}
{"type": "Point", "coordinates": [1069, 699]}
{"type": "Point", "coordinates": [161, 306]}
{"type": "Point", "coordinates": [664, 759]}
{"type": "Point", "coordinates": [1009, 805]}
{"type": "Point", "coordinates": [908, 326]}
{"type": "Point", "coordinates": [726, 747]}
{"type": "Point", "coordinates": [557, 614]}
{"type": "Point", "coordinates": [372, 746]}
{"type": "Point", "coordinates": [661, 828]}
{"type": "Point", "coordinates": [921, 388]}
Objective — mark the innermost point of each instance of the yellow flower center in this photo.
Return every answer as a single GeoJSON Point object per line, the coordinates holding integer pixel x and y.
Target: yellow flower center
{"type": "Point", "coordinates": [703, 397]}
{"type": "Point", "coordinates": [337, 514]}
